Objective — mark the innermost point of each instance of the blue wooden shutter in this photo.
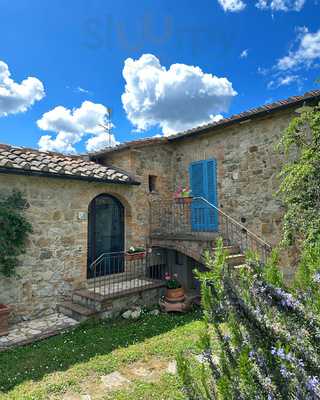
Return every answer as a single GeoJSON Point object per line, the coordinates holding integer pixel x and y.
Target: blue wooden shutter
{"type": "Point", "coordinates": [212, 215]}
{"type": "Point", "coordinates": [197, 179]}
{"type": "Point", "coordinates": [203, 184]}
{"type": "Point", "coordinates": [198, 189]}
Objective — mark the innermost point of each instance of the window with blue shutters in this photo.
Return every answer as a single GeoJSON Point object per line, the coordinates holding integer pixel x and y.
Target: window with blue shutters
{"type": "Point", "coordinates": [203, 182]}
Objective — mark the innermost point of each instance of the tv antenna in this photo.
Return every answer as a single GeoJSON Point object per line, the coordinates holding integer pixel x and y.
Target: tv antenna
{"type": "Point", "coordinates": [107, 126]}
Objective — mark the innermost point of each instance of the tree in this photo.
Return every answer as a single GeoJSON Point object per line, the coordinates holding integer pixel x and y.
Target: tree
{"type": "Point", "coordinates": [300, 178]}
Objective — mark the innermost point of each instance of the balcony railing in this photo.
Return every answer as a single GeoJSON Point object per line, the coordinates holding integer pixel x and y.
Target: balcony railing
{"type": "Point", "coordinates": [199, 219]}
{"type": "Point", "coordinates": [114, 274]}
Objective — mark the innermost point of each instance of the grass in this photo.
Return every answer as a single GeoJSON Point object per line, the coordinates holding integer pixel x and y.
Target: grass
{"type": "Point", "coordinates": [68, 362]}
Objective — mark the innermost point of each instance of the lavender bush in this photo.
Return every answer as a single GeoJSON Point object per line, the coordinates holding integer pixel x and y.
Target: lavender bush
{"type": "Point", "coordinates": [261, 339]}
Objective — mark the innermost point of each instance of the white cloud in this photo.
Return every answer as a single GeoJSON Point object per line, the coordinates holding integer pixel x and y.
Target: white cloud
{"type": "Point", "coordinates": [232, 5]}
{"type": "Point", "coordinates": [101, 141]}
{"type": "Point", "coordinates": [284, 81]}
{"type": "Point", "coordinates": [175, 99]}
{"type": "Point", "coordinates": [17, 97]}
{"type": "Point", "coordinates": [70, 127]}
{"type": "Point", "coordinates": [82, 90]}
{"type": "Point", "coordinates": [306, 53]}
{"type": "Point", "coordinates": [244, 53]}
{"type": "Point", "coordinates": [216, 118]}
{"type": "Point", "coordinates": [262, 71]}
{"type": "Point", "coordinates": [280, 5]}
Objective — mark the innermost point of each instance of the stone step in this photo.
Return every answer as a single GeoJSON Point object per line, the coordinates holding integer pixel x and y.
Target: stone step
{"type": "Point", "coordinates": [76, 311]}
{"type": "Point", "coordinates": [236, 259]}
{"type": "Point", "coordinates": [89, 299]}
{"type": "Point", "coordinates": [230, 250]}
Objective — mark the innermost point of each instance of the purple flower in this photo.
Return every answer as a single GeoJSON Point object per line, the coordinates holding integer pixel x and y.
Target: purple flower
{"type": "Point", "coordinates": [281, 354]}
{"type": "Point", "coordinates": [313, 384]}
{"type": "Point", "coordinates": [284, 372]}
{"type": "Point", "coordinates": [286, 299]}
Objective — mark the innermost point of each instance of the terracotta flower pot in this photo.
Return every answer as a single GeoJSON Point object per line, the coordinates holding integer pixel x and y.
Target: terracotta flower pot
{"type": "Point", "coordinates": [135, 256]}
{"type": "Point", "coordinates": [4, 315]}
{"type": "Point", "coordinates": [175, 294]}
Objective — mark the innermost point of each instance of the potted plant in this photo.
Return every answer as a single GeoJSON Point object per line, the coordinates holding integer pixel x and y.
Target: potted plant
{"type": "Point", "coordinates": [175, 291]}
{"type": "Point", "coordinates": [135, 253]}
{"type": "Point", "coordinates": [4, 316]}
{"type": "Point", "coordinates": [183, 195]}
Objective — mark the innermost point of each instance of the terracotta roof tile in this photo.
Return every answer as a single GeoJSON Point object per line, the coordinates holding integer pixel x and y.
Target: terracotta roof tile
{"type": "Point", "coordinates": [254, 112]}
{"type": "Point", "coordinates": [30, 161]}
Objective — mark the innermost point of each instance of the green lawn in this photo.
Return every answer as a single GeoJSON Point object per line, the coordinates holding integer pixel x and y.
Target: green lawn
{"type": "Point", "coordinates": [71, 364]}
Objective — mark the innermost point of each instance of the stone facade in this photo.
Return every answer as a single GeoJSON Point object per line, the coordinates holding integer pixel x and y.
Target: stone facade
{"type": "Point", "coordinates": [247, 171]}
{"type": "Point", "coordinates": [55, 261]}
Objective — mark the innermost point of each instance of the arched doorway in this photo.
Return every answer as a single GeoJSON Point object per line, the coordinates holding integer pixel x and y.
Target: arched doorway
{"type": "Point", "coordinates": [106, 231]}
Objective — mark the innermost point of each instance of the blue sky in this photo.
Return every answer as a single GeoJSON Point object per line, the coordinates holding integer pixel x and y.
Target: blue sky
{"type": "Point", "coordinates": [76, 51]}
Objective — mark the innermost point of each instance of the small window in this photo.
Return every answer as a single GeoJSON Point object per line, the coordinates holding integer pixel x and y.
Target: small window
{"type": "Point", "coordinates": [152, 183]}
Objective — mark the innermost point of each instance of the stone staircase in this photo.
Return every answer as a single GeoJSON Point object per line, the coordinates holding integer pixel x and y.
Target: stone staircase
{"type": "Point", "coordinates": [84, 304]}
{"type": "Point", "coordinates": [234, 257]}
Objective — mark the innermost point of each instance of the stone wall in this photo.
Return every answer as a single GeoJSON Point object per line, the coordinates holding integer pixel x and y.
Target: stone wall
{"type": "Point", "coordinates": [146, 298]}
{"type": "Point", "coordinates": [142, 162]}
{"type": "Point", "coordinates": [55, 261]}
{"type": "Point", "coordinates": [247, 172]}
{"type": "Point", "coordinates": [247, 169]}
{"type": "Point", "coordinates": [56, 258]}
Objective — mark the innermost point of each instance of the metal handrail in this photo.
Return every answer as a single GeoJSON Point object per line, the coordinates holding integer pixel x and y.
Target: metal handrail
{"type": "Point", "coordinates": [175, 220]}
{"type": "Point", "coordinates": [234, 221]}
{"type": "Point", "coordinates": [102, 256]}
{"type": "Point", "coordinates": [114, 273]}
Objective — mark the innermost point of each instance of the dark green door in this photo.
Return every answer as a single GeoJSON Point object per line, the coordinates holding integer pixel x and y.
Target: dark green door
{"type": "Point", "coordinates": [106, 234]}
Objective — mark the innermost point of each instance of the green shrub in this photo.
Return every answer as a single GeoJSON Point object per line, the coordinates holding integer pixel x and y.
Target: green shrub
{"type": "Point", "coordinates": [300, 177]}
{"type": "Point", "coordinates": [267, 337]}
{"type": "Point", "coordinates": [14, 229]}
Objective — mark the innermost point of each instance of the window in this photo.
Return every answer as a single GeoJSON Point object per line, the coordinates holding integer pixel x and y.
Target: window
{"type": "Point", "coordinates": [152, 183]}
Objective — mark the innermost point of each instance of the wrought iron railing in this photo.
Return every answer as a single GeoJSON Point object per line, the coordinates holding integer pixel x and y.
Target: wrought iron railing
{"type": "Point", "coordinates": [200, 219]}
{"type": "Point", "coordinates": [113, 274]}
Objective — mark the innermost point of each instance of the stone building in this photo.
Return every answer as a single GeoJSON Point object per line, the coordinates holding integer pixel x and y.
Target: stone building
{"type": "Point", "coordinates": [86, 209]}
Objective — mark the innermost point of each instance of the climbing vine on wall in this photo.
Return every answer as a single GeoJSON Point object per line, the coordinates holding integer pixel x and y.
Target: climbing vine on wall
{"type": "Point", "coordinates": [14, 230]}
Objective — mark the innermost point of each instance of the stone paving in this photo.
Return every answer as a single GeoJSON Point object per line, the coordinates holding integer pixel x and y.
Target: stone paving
{"type": "Point", "coordinates": [29, 331]}
{"type": "Point", "coordinates": [149, 371]}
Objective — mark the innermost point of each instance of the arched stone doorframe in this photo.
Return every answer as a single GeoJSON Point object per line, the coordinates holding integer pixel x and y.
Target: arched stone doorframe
{"type": "Point", "coordinates": [127, 220]}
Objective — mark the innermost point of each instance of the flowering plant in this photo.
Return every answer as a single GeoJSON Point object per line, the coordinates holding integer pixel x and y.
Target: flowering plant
{"type": "Point", "coordinates": [133, 250]}
{"type": "Point", "coordinates": [172, 281]}
{"type": "Point", "coordinates": [182, 192]}
{"type": "Point", "coordinates": [266, 334]}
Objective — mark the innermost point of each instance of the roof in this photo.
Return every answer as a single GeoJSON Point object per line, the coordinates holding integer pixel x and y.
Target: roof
{"type": "Point", "coordinates": [257, 112]}
{"type": "Point", "coordinates": [19, 160]}
{"type": "Point", "coordinates": [130, 144]}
